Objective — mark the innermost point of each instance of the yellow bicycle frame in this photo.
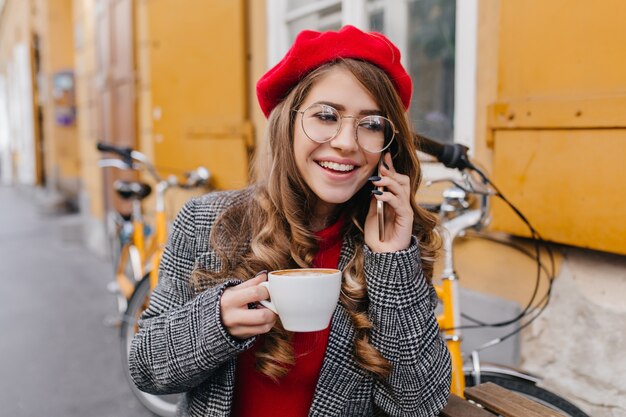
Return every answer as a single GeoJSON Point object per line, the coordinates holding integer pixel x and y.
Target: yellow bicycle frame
{"type": "Point", "coordinates": [137, 249]}
{"type": "Point", "coordinates": [160, 238]}
{"type": "Point", "coordinates": [139, 240]}
{"type": "Point", "coordinates": [448, 322]}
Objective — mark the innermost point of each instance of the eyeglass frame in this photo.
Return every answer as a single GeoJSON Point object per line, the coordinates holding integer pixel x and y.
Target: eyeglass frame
{"type": "Point", "coordinates": [356, 127]}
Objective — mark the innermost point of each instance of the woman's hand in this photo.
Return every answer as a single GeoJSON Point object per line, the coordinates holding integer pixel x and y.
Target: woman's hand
{"type": "Point", "coordinates": [398, 211]}
{"type": "Point", "coordinates": [239, 320]}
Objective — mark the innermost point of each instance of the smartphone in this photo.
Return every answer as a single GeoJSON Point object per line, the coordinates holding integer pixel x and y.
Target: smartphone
{"type": "Point", "coordinates": [380, 212]}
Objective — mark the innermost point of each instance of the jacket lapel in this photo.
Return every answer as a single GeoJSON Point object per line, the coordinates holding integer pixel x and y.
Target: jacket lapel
{"type": "Point", "coordinates": [340, 374]}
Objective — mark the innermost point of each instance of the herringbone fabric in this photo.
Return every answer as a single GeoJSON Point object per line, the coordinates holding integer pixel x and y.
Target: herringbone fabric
{"type": "Point", "coordinates": [183, 347]}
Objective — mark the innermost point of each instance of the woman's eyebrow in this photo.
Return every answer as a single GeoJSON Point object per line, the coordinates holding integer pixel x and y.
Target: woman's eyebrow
{"type": "Point", "coordinates": [373, 112]}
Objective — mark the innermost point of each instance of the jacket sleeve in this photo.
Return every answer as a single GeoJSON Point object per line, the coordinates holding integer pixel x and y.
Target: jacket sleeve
{"type": "Point", "coordinates": [181, 340]}
{"type": "Point", "coordinates": [406, 333]}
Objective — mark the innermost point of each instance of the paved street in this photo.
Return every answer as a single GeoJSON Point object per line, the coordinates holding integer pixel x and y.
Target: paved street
{"type": "Point", "coordinates": [57, 357]}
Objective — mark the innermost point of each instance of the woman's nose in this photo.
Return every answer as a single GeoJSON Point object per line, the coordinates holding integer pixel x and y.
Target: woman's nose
{"type": "Point", "coordinates": [346, 137]}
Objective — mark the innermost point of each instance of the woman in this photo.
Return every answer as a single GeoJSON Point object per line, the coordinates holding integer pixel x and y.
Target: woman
{"type": "Point", "coordinates": [338, 134]}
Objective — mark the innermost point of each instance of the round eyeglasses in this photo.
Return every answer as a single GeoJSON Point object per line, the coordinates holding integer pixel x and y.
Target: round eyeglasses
{"type": "Point", "coordinates": [322, 123]}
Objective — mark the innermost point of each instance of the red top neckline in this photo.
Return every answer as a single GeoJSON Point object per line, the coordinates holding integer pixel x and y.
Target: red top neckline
{"type": "Point", "coordinates": [257, 395]}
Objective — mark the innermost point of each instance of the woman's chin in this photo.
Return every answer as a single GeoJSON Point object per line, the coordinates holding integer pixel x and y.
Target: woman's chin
{"type": "Point", "coordinates": [334, 198]}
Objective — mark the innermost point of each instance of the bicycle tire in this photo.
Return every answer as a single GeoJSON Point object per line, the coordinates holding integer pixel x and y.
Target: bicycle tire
{"type": "Point", "coordinates": [161, 405]}
{"type": "Point", "coordinates": [530, 390]}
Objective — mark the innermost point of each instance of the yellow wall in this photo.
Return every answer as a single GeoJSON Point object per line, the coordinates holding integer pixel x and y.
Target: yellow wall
{"type": "Point", "coordinates": [61, 157]}
{"type": "Point", "coordinates": [91, 176]}
{"type": "Point", "coordinates": [556, 124]}
{"type": "Point", "coordinates": [51, 21]}
{"type": "Point", "coordinates": [199, 87]}
{"type": "Point", "coordinates": [195, 68]}
{"type": "Point", "coordinates": [257, 52]}
{"type": "Point", "coordinates": [195, 72]}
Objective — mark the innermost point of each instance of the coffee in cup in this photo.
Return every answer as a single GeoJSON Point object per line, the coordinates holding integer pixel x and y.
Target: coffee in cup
{"type": "Point", "coordinates": [305, 298]}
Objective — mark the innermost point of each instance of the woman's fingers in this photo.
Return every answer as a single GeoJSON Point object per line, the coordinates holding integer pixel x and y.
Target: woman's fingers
{"type": "Point", "coordinates": [393, 200]}
{"type": "Point", "coordinates": [398, 214]}
{"type": "Point", "coordinates": [238, 319]}
{"type": "Point", "coordinates": [240, 297]}
{"type": "Point", "coordinates": [256, 280]}
{"type": "Point", "coordinates": [396, 185]}
{"type": "Point", "coordinates": [248, 323]}
{"type": "Point", "coordinates": [256, 317]}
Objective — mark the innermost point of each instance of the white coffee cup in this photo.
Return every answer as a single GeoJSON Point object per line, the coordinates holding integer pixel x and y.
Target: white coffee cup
{"type": "Point", "coordinates": [304, 299]}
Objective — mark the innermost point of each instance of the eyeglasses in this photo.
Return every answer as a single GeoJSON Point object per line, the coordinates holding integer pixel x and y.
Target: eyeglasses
{"type": "Point", "coordinates": [322, 123]}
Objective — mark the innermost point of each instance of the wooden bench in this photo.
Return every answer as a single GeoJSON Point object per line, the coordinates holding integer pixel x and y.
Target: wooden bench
{"type": "Point", "coordinates": [494, 400]}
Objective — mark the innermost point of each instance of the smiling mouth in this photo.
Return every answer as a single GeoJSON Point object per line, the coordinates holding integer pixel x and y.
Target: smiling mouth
{"type": "Point", "coordinates": [336, 167]}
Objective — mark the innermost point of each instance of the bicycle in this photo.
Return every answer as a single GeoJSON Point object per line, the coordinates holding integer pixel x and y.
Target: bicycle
{"type": "Point", "coordinates": [137, 250]}
{"type": "Point", "coordinates": [458, 214]}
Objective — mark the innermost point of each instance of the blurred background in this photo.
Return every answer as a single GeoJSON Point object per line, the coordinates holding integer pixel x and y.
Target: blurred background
{"type": "Point", "coordinates": [536, 89]}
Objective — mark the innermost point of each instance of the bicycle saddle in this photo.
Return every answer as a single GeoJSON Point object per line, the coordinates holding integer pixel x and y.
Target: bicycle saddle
{"type": "Point", "coordinates": [130, 190]}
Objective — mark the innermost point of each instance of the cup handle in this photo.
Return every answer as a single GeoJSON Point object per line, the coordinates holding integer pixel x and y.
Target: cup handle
{"type": "Point", "coordinates": [267, 303]}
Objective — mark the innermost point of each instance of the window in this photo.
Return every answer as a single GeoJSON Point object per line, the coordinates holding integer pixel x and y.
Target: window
{"type": "Point", "coordinates": [319, 15]}
{"type": "Point", "coordinates": [431, 43]}
{"type": "Point", "coordinates": [424, 30]}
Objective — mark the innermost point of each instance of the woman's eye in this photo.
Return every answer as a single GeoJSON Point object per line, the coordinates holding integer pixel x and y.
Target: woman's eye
{"type": "Point", "coordinates": [372, 124]}
{"type": "Point", "coordinates": [326, 117]}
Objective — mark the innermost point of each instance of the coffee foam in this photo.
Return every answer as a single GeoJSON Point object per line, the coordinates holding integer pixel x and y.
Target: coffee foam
{"type": "Point", "coordinates": [304, 272]}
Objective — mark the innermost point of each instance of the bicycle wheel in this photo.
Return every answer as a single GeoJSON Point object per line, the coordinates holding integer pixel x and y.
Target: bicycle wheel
{"type": "Point", "coordinates": [530, 390]}
{"type": "Point", "coordinates": [162, 405]}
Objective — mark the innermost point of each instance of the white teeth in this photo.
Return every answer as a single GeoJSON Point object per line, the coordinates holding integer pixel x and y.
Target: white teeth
{"type": "Point", "coordinates": [335, 166]}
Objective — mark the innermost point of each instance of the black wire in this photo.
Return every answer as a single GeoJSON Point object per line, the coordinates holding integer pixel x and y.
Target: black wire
{"type": "Point", "coordinates": [518, 248]}
{"type": "Point", "coordinates": [520, 328]}
{"type": "Point", "coordinates": [539, 242]}
{"type": "Point", "coordinates": [521, 315]}
{"type": "Point", "coordinates": [501, 241]}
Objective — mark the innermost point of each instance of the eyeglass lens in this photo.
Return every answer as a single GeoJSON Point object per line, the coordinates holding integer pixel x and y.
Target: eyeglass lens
{"type": "Point", "coordinates": [321, 123]}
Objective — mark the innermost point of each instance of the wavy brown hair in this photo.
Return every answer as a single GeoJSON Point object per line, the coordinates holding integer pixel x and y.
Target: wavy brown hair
{"type": "Point", "coordinates": [271, 230]}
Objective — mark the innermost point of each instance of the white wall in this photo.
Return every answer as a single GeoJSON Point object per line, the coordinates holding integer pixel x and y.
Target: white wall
{"type": "Point", "coordinates": [6, 167]}
{"type": "Point", "coordinates": [20, 112]}
{"type": "Point", "coordinates": [577, 344]}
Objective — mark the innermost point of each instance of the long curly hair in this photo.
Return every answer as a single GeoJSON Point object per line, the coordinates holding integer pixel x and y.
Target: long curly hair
{"type": "Point", "coordinates": [271, 230]}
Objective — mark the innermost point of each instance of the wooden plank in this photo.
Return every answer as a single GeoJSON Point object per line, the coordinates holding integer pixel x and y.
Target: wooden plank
{"type": "Point", "coordinates": [558, 113]}
{"type": "Point", "coordinates": [199, 99]}
{"type": "Point", "coordinates": [560, 48]}
{"type": "Point", "coordinates": [540, 172]}
{"type": "Point", "coordinates": [507, 403]}
{"type": "Point", "coordinates": [458, 407]}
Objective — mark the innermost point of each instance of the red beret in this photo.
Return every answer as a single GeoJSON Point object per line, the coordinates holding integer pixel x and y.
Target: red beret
{"type": "Point", "coordinates": [313, 49]}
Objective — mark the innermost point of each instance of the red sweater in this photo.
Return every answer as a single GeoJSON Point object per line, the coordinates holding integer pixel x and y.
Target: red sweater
{"type": "Point", "coordinates": [257, 395]}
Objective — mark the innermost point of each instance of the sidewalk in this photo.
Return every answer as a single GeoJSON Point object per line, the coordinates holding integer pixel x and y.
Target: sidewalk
{"type": "Point", "coordinates": [57, 358]}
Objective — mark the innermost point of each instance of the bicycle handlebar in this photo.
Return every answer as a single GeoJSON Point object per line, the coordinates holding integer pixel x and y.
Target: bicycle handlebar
{"type": "Point", "coordinates": [195, 178]}
{"type": "Point", "coordinates": [123, 152]}
{"type": "Point", "coordinates": [455, 156]}
{"type": "Point", "coordinates": [452, 155]}
{"type": "Point", "coordinates": [129, 155]}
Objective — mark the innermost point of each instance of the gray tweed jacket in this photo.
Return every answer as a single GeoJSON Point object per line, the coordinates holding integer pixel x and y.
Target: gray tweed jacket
{"type": "Point", "coordinates": [182, 346]}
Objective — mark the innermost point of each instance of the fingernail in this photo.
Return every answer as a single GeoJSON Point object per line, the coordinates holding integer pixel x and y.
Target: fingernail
{"type": "Point", "coordinates": [377, 192]}
{"type": "Point", "coordinates": [374, 178]}
{"type": "Point", "coordinates": [252, 306]}
{"type": "Point", "coordinates": [260, 273]}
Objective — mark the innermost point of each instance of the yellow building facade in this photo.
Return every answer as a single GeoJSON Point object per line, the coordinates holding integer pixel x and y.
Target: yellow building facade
{"type": "Point", "coordinates": [556, 123]}
{"type": "Point", "coordinates": [176, 80]}
{"type": "Point", "coordinates": [37, 65]}
{"type": "Point", "coordinates": [180, 87]}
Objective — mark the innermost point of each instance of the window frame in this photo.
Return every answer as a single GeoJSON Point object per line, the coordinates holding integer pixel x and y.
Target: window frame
{"type": "Point", "coordinates": [355, 12]}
